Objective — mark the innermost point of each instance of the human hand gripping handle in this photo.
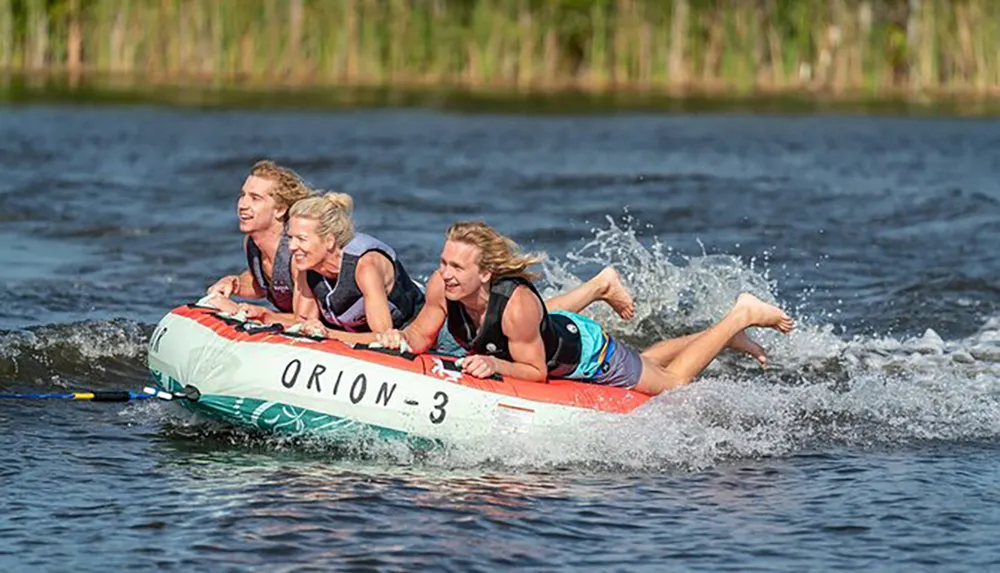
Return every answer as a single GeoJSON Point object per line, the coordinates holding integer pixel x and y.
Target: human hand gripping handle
{"type": "Point", "coordinates": [393, 339]}
{"type": "Point", "coordinates": [313, 327]}
{"type": "Point", "coordinates": [225, 287]}
{"type": "Point", "coordinates": [252, 311]}
{"type": "Point", "coordinates": [479, 366]}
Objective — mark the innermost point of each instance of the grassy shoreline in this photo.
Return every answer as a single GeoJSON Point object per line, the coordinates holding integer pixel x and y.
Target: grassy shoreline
{"type": "Point", "coordinates": [835, 50]}
{"type": "Point", "coordinates": [27, 89]}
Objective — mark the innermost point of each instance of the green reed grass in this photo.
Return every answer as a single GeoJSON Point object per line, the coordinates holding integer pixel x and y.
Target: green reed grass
{"type": "Point", "coordinates": [835, 46]}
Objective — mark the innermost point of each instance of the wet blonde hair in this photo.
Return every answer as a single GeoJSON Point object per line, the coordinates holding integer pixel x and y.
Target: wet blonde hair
{"type": "Point", "coordinates": [332, 212]}
{"type": "Point", "coordinates": [498, 254]}
{"type": "Point", "coordinates": [288, 187]}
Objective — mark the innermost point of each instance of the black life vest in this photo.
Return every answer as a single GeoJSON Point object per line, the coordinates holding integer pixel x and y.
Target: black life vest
{"type": "Point", "coordinates": [559, 335]}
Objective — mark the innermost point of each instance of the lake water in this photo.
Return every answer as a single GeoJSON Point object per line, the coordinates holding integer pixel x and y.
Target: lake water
{"type": "Point", "coordinates": [871, 443]}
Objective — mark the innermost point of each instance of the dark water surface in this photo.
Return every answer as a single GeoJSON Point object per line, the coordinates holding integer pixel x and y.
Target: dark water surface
{"type": "Point", "coordinates": [873, 443]}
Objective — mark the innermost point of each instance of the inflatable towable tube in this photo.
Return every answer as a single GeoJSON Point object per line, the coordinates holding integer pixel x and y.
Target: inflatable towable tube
{"type": "Point", "coordinates": [256, 375]}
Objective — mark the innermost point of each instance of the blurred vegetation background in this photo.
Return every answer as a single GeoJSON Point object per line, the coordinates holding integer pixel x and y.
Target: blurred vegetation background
{"type": "Point", "coordinates": [830, 47]}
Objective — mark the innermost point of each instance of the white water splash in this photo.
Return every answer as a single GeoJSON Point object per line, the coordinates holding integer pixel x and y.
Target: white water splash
{"type": "Point", "coordinates": [61, 355]}
{"type": "Point", "coordinates": [677, 295]}
{"type": "Point", "coordinates": [117, 338]}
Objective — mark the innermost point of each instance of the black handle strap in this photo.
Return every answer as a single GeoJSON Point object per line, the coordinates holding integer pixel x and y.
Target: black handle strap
{"type": "Point", "coordinates": [388, 351]}
{"type": "Point", "coordinates": [451, 364]}
{"type": "Point", "coordinates": [257, 328]}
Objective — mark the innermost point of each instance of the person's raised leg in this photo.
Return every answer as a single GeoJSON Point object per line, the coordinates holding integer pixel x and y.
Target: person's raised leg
{"type": "Point", "coordinates": [743, 343]}
{"type": "Point", "coordinates": [606, 285]}
{"type": "Point", "coordinates": [659, 375]}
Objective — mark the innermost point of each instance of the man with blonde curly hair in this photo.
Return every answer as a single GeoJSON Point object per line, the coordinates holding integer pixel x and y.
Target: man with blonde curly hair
{"type": "Point", "coordinates": [268, 193]}
{"type": "Point", "coordinates": [483, 292]}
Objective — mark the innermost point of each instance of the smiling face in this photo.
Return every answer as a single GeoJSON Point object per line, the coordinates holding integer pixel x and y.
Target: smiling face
{"type": "Point", "coordinates": [307, 247]}
{"type": "Point", "coordinates": [256, 207]}
{"type": "Point", "coordinates": [463, 278]}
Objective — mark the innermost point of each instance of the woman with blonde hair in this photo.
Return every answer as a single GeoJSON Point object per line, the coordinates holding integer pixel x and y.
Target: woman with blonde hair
{"type": "Point", "coordinates": [348, 281]}
{"type": "Point", "coordinates": [483, 292]}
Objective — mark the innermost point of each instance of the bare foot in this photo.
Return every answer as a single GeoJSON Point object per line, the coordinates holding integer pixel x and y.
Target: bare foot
{"type": "Point", "coordinates": [613, 292]}
{"type": "Point", "coordinates": [743, 343]}
{"type": "Point", "coordinates": [762, 314]}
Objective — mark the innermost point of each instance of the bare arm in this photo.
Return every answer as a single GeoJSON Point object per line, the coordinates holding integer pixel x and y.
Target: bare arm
{"type": "Point", "coordinates": [422, 333]}
{"type": "Point", "coordinates": [520, 324]}
{"type": "Point", "coordinates": [304, 305]}
{"type": "Point", "coordinates": [374, 275]}
{"type": "Point", "coordinates": [286, 319]}
{"type": "Point", "coordinates": [249, 288]}
{"type": "Point", "coordinates": [306, 312]}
